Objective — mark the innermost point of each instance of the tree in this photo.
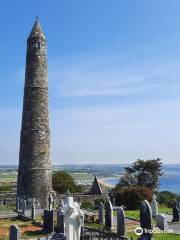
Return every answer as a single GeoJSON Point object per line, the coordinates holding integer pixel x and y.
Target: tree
{"type": "Point", "coordinates": [62, 181]}
{"type": "Point", "coordinates": [132, 197]}
{"type": "Point", "coordinates": [166, 198]}
{"type": "Point", "coordinates": [142, 173]}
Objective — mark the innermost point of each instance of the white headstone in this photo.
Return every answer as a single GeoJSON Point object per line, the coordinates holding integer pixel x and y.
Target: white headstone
{"type": "Point", "coordinates": [161, 221]}
{"type": "Point", "coordinates": [73, 218]}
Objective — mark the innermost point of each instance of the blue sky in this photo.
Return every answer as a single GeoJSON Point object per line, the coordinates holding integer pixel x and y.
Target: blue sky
{"type": "Point", "coordinates": [114, 78]}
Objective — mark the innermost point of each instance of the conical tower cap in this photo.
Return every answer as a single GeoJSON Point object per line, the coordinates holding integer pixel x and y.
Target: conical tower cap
{"type": "Point", "coordinates": [36, 31]}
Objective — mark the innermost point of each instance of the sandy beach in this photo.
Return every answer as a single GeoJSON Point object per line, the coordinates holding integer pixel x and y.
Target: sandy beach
{"type": "Point", "coordinates": [102, 181]}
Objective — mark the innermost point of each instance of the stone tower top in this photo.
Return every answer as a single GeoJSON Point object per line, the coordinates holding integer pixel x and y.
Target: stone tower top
{"type": "Point", "coordinates": [36, 31]}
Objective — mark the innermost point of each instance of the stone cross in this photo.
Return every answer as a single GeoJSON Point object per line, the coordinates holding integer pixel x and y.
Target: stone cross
{"type": "Point", "coordinates": [101, 213]}
{"type": "Point", "coordinates": [108, 214]}
{"type": "Point", "coordinates": [121, 222]}
{"type": "Point", "coordinates": [74, 219]}
{"type": "Point", "coordinates": [14, 233]}
{"type": "Point", "coordinates": [154, 206]}
{"type": "Point", "coordinates": [146, 220]}
{"type": "Point", "coordinates": [175, 213]}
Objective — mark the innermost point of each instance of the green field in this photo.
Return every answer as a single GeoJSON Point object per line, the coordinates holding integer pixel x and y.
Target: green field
{"type": "Point", "coordinates": [8, 176]}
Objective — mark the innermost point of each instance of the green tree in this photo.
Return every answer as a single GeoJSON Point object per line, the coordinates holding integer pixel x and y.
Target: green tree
{"type": "Point", "coordinates": [166, 198]}
{"type": "Point", "coordinates": [132, 197]}
{"type": "Point", "coordinates": [62, 181]}
{"type": "Point", "coordinates": [142, 173]}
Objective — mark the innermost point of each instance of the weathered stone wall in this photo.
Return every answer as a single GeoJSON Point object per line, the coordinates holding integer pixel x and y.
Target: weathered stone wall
{"type": "Point", "coordinates": [34, 173]}
{"type": "Point", "coordinates": [82, 197]}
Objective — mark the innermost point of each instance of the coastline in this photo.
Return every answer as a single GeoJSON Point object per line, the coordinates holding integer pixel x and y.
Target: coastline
{"type": "Point", "coordinates": [102, 181]}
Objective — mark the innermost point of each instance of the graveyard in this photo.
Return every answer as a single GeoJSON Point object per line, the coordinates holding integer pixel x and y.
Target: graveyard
{"type": "Point", "coordinates": [105, 101]}
{"type": "Point", "coordinates": [31, 222]}
{"type": "Point", "coordinates": [24, 218]}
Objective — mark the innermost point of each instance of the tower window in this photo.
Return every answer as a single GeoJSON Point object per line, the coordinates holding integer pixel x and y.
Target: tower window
{"type": "Point", "coordinates": [36, 45]}
{"type": "Point", "coordinates": [39, 45]}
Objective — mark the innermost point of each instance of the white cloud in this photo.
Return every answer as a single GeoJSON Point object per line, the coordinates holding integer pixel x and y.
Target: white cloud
{"type": "Point", "coordinates": [93, 76]}
{"type": "Point", "coordinates": [77, 79]}
{"type": "Point", "coordinates": [117, 134]}
{"type": "Point", "coordinates": [111, 134]}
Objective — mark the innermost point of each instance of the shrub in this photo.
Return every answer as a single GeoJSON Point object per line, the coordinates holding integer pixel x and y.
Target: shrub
{"type": "Point", "coordinates": [166, 198]}
{"type": "Point", "coordinates": [62, 181]}
{"type": "Point", "coordinates": [132, 197]}
{"type": "Point", "coordinates": [87, 205]}
{"type": "Point", "coordinates": [98, 200]}
{"type": "Point", "coordinates": [6, 188]}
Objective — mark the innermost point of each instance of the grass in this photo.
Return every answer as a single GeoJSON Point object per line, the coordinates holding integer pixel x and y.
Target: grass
{"type": "Point", "coordinates": [26, 225]}
{"type": "Point", "coordinates": [7, 209]}
{"type": "Point", "coordinates": [8, 176]}
{"type": "Point", "coordinates": [94, 225]}
{"type": "Point", "coordinates": [158, 236]}
{"type": "Point", "coordinates": [165, 210]}
{"type": "Point", "coordinates": [133, 213]}
{"type": "Point", "coordinates": [136, 214]}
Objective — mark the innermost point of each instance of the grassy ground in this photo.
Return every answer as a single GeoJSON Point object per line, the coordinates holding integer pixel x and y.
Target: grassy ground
{"type": "Point", "coordinates": [27, 229]}
{"type": "Point", "coordinates": [158, 236]}
{"type": "Point", "coordinates": [165, 210]}
{"type": "Point", "coordinates": [7, 209]}
{"type": "Point", "coordinates": [8, 176]}
{"type": "Point", "coordinates": [136, 214]}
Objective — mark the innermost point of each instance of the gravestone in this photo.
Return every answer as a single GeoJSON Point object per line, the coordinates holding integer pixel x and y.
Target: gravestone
{"type": "Point", "coordinates": [108, 214]}
{"type": "Point", "coordinates": [161, 221]}
{"type": "Point", "coordinates": [48, 224]}
{"type": "Point", "coordinates": [33, 211]}
{"type": "Point", "coordinates": [175, 213]}
{"type": "Point", "coordinates": [178, 204]}
{"type": "Point", "coordinates": [17, 204]}
{"type": "Point", "coordinates": [73, 217]}
{"type": "Point", "coordinates": [60, 219]}
{"type": "Point", "coordinates": [154, 206]}
{"type": "Point", "coordinates": [101, 213]}
{"type": "Point", "coordinates": [14, 233]}
{"type": "Point", "coordinates": [21, 202]}
{"type": "Point", "coordinates": [24, 207]}
{"type": "Point", "coordinates": [121, 222]}
{"type": "Point", "coordinates": [146, 220]}
{"type": "Point", "coordinates": [50, 201]}
{"type": "Point", "coordinates": [5, 202]}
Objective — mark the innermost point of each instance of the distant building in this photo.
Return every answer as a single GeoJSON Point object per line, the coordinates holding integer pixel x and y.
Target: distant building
{"type": "Point", "coordinates": [96, 188]}
{"type": "Point", "coordinates": [34, 172]}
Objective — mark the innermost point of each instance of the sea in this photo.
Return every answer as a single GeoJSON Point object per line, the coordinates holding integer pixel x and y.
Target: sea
{"type": "Point", "coordinates": [170, 181]}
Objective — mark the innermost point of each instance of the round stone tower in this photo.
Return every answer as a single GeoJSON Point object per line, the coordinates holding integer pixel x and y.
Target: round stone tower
{"type": "Point", "coordinates": [34, 172]}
